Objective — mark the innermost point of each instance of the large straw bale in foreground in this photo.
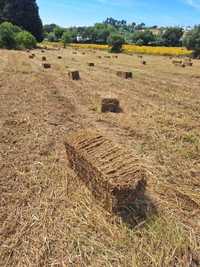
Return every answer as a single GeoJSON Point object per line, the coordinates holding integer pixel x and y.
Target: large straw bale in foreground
{"type": "Point", "coordinates": [114, 175]}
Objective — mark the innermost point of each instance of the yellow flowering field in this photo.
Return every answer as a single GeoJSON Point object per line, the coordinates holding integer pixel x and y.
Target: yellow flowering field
{"type": "Point", "coordinates": [131, 49]}
{"type": "Point", "coordinates": [90, 46]}
{"type": "Point", "coordinates": [159, 50]}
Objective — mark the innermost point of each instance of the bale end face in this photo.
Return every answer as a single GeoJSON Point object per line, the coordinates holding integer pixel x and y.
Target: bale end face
{"type": "Point", "coordinates": [74, 75]}
{"type": "Point", "coordinates": [125, 75]}
{"type": "Point", "coordinates": [110, 105]}
{"type": "Point", "coordinates": [113, 174]}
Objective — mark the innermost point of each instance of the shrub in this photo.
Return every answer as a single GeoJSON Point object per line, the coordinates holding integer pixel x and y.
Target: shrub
{"type": "Point", "coordinates": [143, 37]}
{"type": "Point", "coordinates": [12, 37]}
{"type": "Point", "coordinates": [23, 13]}
{"type": "Point", "coordinates": [25, 40]}
{"type": "Point", "coordinates": [115, 41]}
{"type": "Point", "coordinates": [58, 32]}
{"type": "Point", "coordinates": [192, 40]}
{"type": "Point", "coordinates": [7, 35]}
{"type": "Point", "coordinates": [172, 36]}
{"type": "Point", "coordinates": [51, 37]}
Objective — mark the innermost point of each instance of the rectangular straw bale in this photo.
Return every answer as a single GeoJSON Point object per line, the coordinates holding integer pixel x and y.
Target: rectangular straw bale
{"type": "Point", "coordinates": [114, 176]}
{"type": "Point", "coordinates": [74, 75]}
{"type": "Point", "coordinates": [188, 63]}
{"type": "Point", "coordinates": [109, 104]}
{"type": "Point", "coordinates": [177, 62]}
{"type": "Point", "coordinates": [91, 64]}
{"type": "Point", "coordinates": [125, 74]}
{"type": "Point", "coordinates": [46, 65]}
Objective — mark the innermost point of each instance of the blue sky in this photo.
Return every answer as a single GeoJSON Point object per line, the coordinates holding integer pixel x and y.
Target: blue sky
{"type": "Point", "coordinates": [151, 12]}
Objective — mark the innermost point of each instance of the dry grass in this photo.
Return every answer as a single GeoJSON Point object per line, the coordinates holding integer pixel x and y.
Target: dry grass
{"type": "Point", "coordinates": [47, 216]}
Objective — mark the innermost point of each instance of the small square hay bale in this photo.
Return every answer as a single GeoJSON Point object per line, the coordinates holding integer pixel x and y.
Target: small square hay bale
{"type": "Point", "coordinates": [42, 51]}
{"type": "Point", "coordinates": [188, 59]}
{"type": "Point", "coordinates": [99, 57]}
{"type": "Point", "coordinates": [125, 75]}
{"type": "Point", "coordinates": [91, 64]}
{"type": "Point", "coordinates": [114, 175]}
{"type": "Point", "coordinates": [110, 105]}
{"type": "Point", "coordinates": [144, 62]}
{"type": "Point", "coordinates": [83, 53]}
{"type": "Point", "coordinates": [74, 75]}
{"type": "Point", "coordinates": [176, 62]}
{"type": "Point", "coordinates": [188, 63]}
{"type": "Point", "coordinates": [44, 58]}
{"type": "Point", "coordinates": [59, 57]}
{"type": "Point", "coordinates": [107, 56]}
{"type": "Point", "coordinates": [46, 65]}
{"type": "Point", "coordinates": [32, 56]}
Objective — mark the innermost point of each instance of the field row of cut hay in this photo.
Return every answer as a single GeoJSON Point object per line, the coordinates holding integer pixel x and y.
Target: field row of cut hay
{"type": "Point", "coordinates": [150, 50]}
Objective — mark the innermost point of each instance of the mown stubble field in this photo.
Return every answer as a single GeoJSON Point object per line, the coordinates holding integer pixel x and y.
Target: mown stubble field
{"type": "Point", "coordinates": [47, 216]}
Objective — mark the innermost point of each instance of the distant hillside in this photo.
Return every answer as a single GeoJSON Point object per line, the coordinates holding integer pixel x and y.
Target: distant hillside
{"type": "Point", "coordinates": [23, 13]}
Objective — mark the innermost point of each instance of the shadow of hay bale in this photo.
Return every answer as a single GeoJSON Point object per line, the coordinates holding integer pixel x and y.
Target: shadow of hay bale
{"type": "Point", "coordinates": [137, 212]}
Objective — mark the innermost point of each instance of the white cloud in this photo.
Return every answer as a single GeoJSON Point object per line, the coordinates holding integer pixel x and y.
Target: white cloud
{"type": "Point", "coordinates": [193, 3]}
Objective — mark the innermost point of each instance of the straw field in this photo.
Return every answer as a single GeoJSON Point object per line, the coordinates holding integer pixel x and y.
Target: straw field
{"type": "Point", "coordinates": [48, 215]}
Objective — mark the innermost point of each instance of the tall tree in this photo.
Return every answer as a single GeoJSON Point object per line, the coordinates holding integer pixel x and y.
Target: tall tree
{"type": "Point", "coordinates": [23, 13]}
{"type": "Point", "coordinates": [172, 36]}
{"type": "Point", "coordinates": [192, 40]}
